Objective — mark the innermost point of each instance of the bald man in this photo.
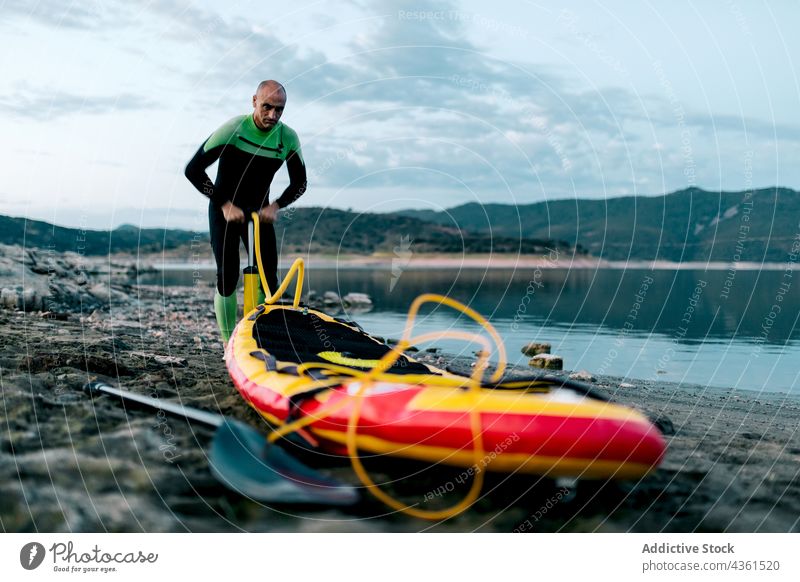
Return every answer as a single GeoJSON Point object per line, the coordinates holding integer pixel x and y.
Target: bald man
{"type": "Point", "coordinates": [250, 149]}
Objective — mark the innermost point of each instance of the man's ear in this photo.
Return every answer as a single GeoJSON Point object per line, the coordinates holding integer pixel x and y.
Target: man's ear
{"type": "Point", "coordinates": [254, 100]}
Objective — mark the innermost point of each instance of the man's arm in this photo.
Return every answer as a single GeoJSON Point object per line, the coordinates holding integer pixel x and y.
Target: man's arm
{"type": "Point", "coordinates": [209, 153]}
{"type": "Point", "coordinates": [196, 172]}
{"type": "Point", "coordinates": [297, 179]}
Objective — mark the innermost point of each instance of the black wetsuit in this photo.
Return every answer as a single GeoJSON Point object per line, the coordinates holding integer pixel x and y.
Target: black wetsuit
{"type": "Point", "coordinates": [248, 159]}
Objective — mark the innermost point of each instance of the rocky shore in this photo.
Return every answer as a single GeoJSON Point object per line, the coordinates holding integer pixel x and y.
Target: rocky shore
{"type": "Point", "coordinates": [69, 462]}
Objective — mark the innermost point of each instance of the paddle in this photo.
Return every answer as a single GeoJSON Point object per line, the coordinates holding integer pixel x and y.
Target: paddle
{"type": "Point", "coordinates": [241, 458]}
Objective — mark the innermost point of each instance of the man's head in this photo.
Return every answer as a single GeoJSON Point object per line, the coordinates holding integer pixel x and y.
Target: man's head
{"type": "Point", "coordinates": [268, 104]}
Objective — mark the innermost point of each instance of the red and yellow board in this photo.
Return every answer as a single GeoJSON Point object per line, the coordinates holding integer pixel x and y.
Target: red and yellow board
{"type": "Point", "coordinates": [552, 431]}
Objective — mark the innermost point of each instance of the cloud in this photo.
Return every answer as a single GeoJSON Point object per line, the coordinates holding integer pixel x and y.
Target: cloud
{"type": "Point", "coordinates": [433, 109]}
{"type": "Point", "coordinates": [86, 15]}
{"type": "Point", "coordinates": [46, 103]}
{"type": "Point", "coordinates": [747, 126]}
{"type": "Point", "coordinates": [240, 52]}
{"type": "Point", "coordinates": [437, 110]}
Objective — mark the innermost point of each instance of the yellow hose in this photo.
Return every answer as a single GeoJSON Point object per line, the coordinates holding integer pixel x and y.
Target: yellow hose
{"type": "Point", "coordinates": [377, 373]}
{"type": "Point", "coordinates": [297, 267]}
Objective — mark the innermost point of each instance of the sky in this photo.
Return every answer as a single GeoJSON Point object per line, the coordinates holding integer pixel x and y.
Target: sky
{"type": "Point", "coordinates": [398, 104]}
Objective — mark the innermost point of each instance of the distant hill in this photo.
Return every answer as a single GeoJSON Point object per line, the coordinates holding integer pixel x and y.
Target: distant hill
{"type": "Point", "coordinates": [125, 239]}
{"type": "Point", "coordinates": [300, 230]}
{"type": "Point", "coordinates": [688, 225]}
{"type": "Point", "coordinates": [327, 230]}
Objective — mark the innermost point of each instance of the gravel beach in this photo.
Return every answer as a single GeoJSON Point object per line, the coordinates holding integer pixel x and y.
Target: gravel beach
{"type": "Point", "coordinates": [72, 463]}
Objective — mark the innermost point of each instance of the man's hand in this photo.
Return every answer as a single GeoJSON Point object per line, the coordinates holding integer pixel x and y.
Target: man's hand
{"type": "Point", "coordinates": [269, 214]}
{"type": "Point", "coordinates": [232, 213]}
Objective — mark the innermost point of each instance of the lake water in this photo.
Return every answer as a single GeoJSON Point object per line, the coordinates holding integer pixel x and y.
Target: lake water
{"type": "Point", "coordinates": [717, 327]}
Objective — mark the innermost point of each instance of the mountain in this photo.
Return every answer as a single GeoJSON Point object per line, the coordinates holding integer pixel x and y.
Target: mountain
{"type": "Point", "coordinates": [688, 225]}
{"type": "Point", "coordinates": [332, 231]}
{"type": "Point", "coordinates": [125, 239]}
{"type": "Point", "coordinates": [299, 230]}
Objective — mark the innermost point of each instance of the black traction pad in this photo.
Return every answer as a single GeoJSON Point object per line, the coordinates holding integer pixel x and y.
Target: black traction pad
{"type": "Point", "coordinates": [295, 336]}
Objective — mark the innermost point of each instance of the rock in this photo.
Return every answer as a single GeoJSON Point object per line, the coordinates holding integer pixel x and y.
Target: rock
{"type": "Point", "coordinates": [94, 317]}
{"type": "Point", "coordinates": [8, 298]}
{"type": "Point", "coordinates": [105, 294]}
{"type": "Point", "coordinates": [55, 315]}
{"type": "Point", "coordinates": [663, 424]}
{"type": "Point", "coordinates": [582, 376]}
{"type": "Point", "coordinates": [29, 258]}
{"type": "Point", "coordinates": [31, 300]}
{"type": "Point", "coordinates": [331, 298]}
{"type": "Point", "coordinates": [536, 348]}
{"type": "Point", "coordinates": [162, 359]}
{"type": "Point", "coordinates": [67, 294]}
{"type": "Point", "coordinates": [100, 292]}
{"type": "Point", "coordinates": [39, 269]}
{"type": "Point", "coordinates": [357, 299]}
{"type": "Point", "coordinates": [547, 362]}
{"type": "Point", "coordinates": [171, 361]}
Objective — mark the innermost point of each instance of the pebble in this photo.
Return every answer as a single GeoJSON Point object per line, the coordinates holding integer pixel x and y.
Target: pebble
{"type": "Point", "coordinates": [171, 361]}
{"type": "Point", "coordinates": [162, 359]}
{"type": "Point", "coordinates": [582, 376]}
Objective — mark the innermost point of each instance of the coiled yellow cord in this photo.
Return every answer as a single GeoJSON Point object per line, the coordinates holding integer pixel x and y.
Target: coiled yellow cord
{"type": "Point", "coordinates": [377, 373]}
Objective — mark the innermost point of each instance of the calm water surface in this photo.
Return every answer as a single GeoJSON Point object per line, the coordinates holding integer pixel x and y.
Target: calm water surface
{"type": "Point", "coordinates": [718, 328]}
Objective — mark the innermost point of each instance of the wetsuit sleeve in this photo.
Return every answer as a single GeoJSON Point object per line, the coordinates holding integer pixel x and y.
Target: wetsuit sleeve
{"type": "Point", "coordinates": [297, 174]}
{"type": "Point", "coordinates": [209, 153]}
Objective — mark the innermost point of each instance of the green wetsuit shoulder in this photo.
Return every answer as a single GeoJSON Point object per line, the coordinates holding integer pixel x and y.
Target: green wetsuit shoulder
{"type": "Point", "coordinates": [248, 159]}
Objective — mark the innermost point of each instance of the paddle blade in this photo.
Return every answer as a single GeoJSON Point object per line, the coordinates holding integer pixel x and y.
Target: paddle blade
{"type": "Point", "coordinates": [242, 459]}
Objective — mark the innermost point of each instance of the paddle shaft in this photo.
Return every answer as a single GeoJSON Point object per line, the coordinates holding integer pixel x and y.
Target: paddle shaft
{"type": "Point", "coordinates": [193, 414]}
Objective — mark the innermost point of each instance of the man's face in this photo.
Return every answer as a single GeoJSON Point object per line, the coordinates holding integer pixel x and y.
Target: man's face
{"type": "Point", "coordinates": [268, 106]}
